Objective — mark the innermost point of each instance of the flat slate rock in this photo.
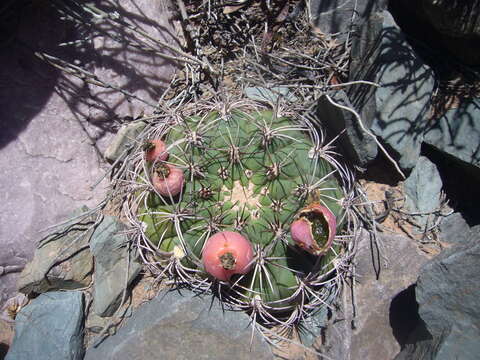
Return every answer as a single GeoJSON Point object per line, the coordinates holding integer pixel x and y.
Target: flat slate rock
{"type": "Point", "coordinates": [336, 17]}
{"type": "Point", "coordinates": [422, 191]}
{"type": "Point", "coordinates": [120, 60]}
{"type": "Point", "coordinates": [396, 110]}
{"type": "Point", "coordinates": [50, 327]}
{"type": "Point", "coordinates": [447, 293]}
{"type": "Point", "coordinates": [62, 261]}
{"type": "Point", "coordinates": [454, 229]}
{"type": "Point", "coordinates": [55, 127]}
{"type": "Point", "coordinates": [109, 245]}
{"type": "Point", "coordinates": [353, 142]}
{"type": "Point", "coordinates": [182, 326]}
{"type": "Point", "coordinates": [368, 330]}
{"type": "Point", "coordinates": [455, 18]}
{"type": "Point", "coordinates": [123, 140]}
{"type": "Point", "coordinates": [457, 133]}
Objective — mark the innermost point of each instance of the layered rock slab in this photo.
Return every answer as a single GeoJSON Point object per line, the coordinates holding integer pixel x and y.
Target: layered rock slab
{"type": "Point", "coordinates": [50, 327]}
{"type": "Point", "coordinates": [183, 326]}
{"type": "Point", "coordinates": [55, 127]}
{"type": "Point", "coordinates": [367, 328]}
{"type": "Point", "coordinates": [62, 261]}
{"type": "Point", "coordinates": [115, 265]}
{"type": "Point", "coordinates": [394, 106]}
{"type": "Point", "coordinates": [447, 293]}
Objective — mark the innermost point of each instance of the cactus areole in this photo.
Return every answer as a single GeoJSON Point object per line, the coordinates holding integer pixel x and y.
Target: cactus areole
{"type": "Point", "coordinates": [243, 207]}
{"type": "Point", "coordinates": [227, 253]}
{"type": "Point", "coordinates": [315, 229]}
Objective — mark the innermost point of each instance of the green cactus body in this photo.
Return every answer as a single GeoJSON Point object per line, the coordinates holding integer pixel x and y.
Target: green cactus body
{"type": "Point", "coordinates": [249, 173]}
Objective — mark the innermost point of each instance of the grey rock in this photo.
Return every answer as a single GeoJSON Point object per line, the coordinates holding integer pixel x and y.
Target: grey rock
{"type": "Point", "coordinates": [338, 16]}
{"type": "Point", "coordinates": [182, 326]}
{"type": "Point", "coordinates": [50, 327]}
{"type": "Point", "coordinates": [312, 327]}
{"type": "Point", "coordinates": [123, 61]}
{"type": "Point", "coordinates": [366, 330]}
{"type": "Point", "coordinates": [47, 161]}
{"type": "Point", "coordinates": [422, 191]}
{"type": "Point", "coordinates": [447, 293]}
{"type": "Point", "coordinates": [423, 348]}
{"type": "Point", "coordinates": [15, 303]}
{"type": "Point", "coordinates": [124, 139]}
{"type": "Point", "coordinates": [62, 261]}
{"type": "Point", "coordinates": [109, 245]}
{"type": "Point", "coordinates": [54, 127]}
{"type": "Point", "coordinates": [355, 144]}
{"type": "Point", "coordinates": [269, 96]}
{"type": "Point", "coordinates": [448, 30]}
{"type": "Point", "coordinates": [454, 229]}
{"type": "Point", "coordinates": [457, 133]}
{"type": "Point", "coordinates": [396, 110]}
{"type": "Point", "coordinates": [457, 23]}
{"type": "Point", "coordinates": [455, 18]}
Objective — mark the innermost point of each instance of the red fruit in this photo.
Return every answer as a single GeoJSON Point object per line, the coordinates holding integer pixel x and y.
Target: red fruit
{"type": "Point", "coordinates": [227, 253]}
{"type": "Point", "coordinates": [155, 150]}
{"type": "Point", "coordinates": [167, 179]}
{"type": "Point", "coordinates": [315, 229]}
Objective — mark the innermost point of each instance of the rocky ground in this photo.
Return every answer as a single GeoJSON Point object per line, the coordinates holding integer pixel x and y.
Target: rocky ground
{"type": "Point", "coordinates": [415, 290]}
{"type": "Point", "coordinates": [55, 127]}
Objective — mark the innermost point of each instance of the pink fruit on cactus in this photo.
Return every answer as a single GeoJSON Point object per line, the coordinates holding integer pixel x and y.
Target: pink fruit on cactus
{"type": "Point", "coordinates": [155, 150]}
{"type": "Point", "coordinates": [167, 179]}
{"type": "Point", "coordinates": [227, 253]}
{"type": "Point", "coordinates": [315, 229]}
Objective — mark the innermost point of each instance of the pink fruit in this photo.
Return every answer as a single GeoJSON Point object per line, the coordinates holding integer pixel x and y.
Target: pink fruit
{"type": "Point", "coordinates": [155, 150]}
{"type": "Point", "coordinates": [315, 229]}
{"type": "Point", "coordinates": [227, 253]}
{"type": "Point", "coordinates": [167, 179]}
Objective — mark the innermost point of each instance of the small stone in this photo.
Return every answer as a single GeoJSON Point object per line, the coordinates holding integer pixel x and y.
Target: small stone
{"type": "Point", "coordinates": [124, 138]}
{"type": "Point", "coordinates": [11, 307]}
{"type": "Point", "coordinates": [109, 245]}
{"type": "Point", "coordinates": [62, 261]}
{"type": "Point", "coordinates": [183, 326]}
{"type": "Point", "coordinates": [422, 190]}
{"type": "Point", "coordinates": [50, 327]}
{"type": "Point", "coordinates": [269, 96]}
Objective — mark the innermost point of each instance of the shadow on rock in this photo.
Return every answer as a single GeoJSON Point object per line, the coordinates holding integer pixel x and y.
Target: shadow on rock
{"type": "Point", "coordinates": [26, 82]}
{"type": "Point", "coordinates": [3, 351]}
{"type": "Point", "coordinates": [398, 108]}
{"type": "Point", "coordinates": [127, 68]}
{"type": "Point", "coordinates": [113, 69]}
{"type": "Point", "coordinates": [336, 16]}
{"type": "Point", "coordinates": [460, 183]}
{"type": "Point", "coordinates": [404, 316]}
{"type": "Point", "coordinates": [49, 118]}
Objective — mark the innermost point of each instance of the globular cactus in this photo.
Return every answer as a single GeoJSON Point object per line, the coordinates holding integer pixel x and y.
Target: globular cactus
{"type": "Point", "coordinates": [255, 215]}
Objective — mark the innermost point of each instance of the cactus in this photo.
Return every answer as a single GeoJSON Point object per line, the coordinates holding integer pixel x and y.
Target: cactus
{"type": "Point", "coordinates": [247, 175]}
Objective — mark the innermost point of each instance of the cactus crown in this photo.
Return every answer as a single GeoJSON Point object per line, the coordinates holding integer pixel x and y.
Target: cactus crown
{"type": "Point", "coordinates": [251, 173]}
